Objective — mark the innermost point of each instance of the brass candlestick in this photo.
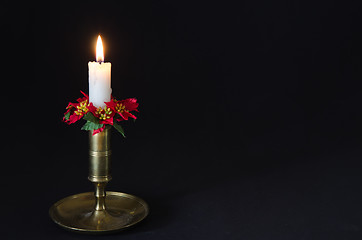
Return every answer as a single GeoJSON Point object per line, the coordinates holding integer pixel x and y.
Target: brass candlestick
{"type": "Point", "coordinates": [101, 211]}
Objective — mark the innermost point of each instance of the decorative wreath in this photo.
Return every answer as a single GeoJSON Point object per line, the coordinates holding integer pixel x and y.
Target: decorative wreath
{"type": "Point", "coordinates": [97, 118]}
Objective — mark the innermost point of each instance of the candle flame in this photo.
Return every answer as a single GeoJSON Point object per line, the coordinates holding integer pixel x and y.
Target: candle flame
{"type": "Point", "coordinates": [99, 50]}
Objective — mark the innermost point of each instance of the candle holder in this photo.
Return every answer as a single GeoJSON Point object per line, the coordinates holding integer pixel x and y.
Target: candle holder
{"type": "Point", "coordinates": [99, 211]}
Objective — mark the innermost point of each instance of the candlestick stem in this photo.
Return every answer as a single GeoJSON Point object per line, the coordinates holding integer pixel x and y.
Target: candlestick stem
{"type": "Point", "coordinates": [100, 165]}
{"type": "Point", "coordinates": [100, 196]}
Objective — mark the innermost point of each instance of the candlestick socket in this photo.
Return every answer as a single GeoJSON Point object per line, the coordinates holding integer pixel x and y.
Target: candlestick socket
{"type": "Point", "coordinates": [100, 156]}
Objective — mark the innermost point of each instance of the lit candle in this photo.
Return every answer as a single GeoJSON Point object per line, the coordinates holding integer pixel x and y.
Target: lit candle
{"type": "Point", "coordinates": [99, 78]}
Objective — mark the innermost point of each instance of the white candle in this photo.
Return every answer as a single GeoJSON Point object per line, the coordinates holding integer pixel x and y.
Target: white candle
{"type": "Point", "coordinates": [99, 78]}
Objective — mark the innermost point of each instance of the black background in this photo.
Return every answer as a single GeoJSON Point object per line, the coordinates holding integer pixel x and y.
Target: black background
{"type": "Point", "coordinates": [249, 124]}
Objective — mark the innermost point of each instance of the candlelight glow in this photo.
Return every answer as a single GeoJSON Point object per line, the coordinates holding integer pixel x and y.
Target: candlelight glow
{"type": "Point", "coordinates": [99, 50]}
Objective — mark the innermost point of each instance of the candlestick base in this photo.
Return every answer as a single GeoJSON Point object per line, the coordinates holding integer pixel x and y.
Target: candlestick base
{"type": "Point", "coordinates": [78, 213]}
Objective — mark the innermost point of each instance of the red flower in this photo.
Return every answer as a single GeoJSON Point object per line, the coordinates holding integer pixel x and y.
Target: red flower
{"type": "Point", "coordinates": [123, 107]}
{"type": "Point", "coordinates": [99, 130]}
{"type": "Point", "coordinates": [76, 111]}
{"type": "Point", "coordinates": [105, 115]}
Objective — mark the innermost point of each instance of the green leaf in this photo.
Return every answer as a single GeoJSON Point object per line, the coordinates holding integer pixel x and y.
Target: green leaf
{"type": "Point", "coordinates": [91, 118]}
{"type": "Point", "coordinates": [91, 126]}
{"type": "Point", "coordinates": [67, 115]}
{"type": "Point", "coordinates": [119, 129]}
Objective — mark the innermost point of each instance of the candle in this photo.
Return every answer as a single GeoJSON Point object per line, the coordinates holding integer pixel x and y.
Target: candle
{"type": "Point", "coordinates": [99, 78]}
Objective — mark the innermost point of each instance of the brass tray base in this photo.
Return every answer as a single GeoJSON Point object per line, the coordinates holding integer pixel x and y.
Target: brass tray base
{"type": "Point", "coordinates": [76, 212]}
